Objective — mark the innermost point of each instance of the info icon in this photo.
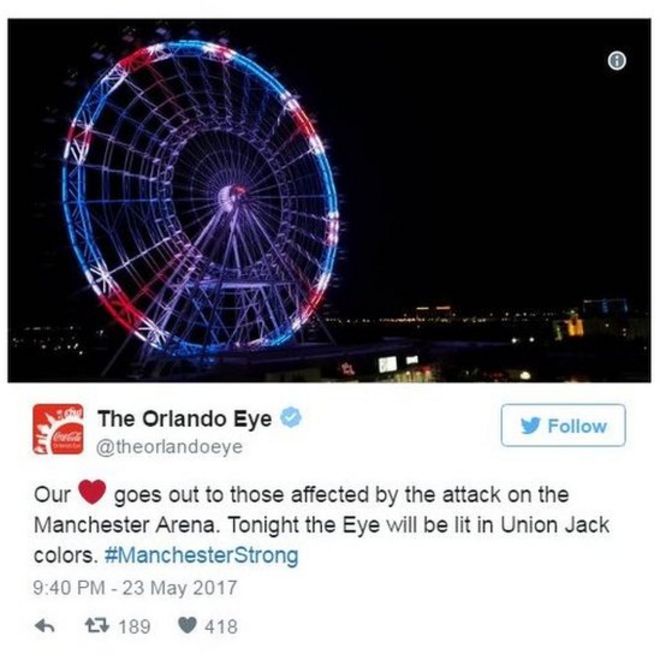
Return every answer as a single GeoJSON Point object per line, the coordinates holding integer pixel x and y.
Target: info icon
{"type": "Point", "coordinates": [57, 428]}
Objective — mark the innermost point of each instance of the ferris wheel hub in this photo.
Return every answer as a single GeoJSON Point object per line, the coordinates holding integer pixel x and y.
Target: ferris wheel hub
{"type": "Point", "coordinates": [230, 197]}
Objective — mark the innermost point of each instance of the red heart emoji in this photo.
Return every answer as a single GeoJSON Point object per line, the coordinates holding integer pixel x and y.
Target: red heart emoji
{"type": "Point", "coordinates": [91, 491]}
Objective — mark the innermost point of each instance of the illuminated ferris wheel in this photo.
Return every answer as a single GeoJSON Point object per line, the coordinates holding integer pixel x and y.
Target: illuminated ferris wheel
{"type": "Point", "coordinates": [199, 201]}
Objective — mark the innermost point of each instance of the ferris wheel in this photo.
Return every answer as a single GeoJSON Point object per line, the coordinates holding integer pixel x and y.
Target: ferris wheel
{"type": "Point", "coordinates": [199, 201]}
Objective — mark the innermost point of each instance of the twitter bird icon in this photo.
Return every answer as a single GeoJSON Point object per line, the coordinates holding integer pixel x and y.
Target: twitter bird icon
{"type": "Point", "coordinates": [530, 425]}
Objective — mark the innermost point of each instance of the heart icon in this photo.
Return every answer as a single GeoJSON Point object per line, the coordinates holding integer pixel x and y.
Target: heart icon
{"type": "Point", "coordinates": [91, 491]}
{"type": "Point", "coordinates": [187, 624]}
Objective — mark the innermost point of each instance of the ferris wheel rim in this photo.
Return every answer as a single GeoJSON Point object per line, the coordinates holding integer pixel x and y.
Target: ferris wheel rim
{"type": "Point", "coordinates": [78, 222]}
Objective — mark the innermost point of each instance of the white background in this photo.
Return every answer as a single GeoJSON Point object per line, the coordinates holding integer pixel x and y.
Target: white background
{"type": "Point", "coordinates": [388, 597]}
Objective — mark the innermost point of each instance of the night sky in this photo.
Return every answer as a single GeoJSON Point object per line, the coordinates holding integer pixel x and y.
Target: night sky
{"type": "Point", "coordinates": [482, 164]}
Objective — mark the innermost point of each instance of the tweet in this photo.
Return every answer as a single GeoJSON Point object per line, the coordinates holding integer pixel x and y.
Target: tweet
{"type": "Point", "coordinates": [328, 334]}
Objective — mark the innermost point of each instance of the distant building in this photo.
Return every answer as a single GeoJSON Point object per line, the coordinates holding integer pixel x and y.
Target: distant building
{"type": "Point", "coordinates": [602, 317]}
{"type": "Point", "coordinates": [433, 312]}
{"type": "Point", "coordinates": [568, 328]}
{"type": "Point", "coordinates": [605, 307]}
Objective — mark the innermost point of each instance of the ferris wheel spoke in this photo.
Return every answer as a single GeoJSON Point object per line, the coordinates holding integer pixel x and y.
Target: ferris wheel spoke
{"type": "Point", "coordinates": [108, 222]}
{"type": "Point", "coordinates": [257, 192]}
{"type": "Point", "coordinates": [274, 125]}
{"type": "Point", "coordinates": [257, 117]}
{"type": "Point", "coordinates": [202, 173]}
{"type": "Point", "coordinates": [246, 163]}
{"type": "Point", "coordinates": [297, 212]}
{"type": "Point", "coordinates": [124, 117]}
{"type": "Point", "coordinates": [128, 261]}
{"type": "Point", "coordinates": [226, 91]}
{"type": "Point", "coordinates": [317, 237]}
{"type": "Point", "coordinates": [278, 211]}
{"type": "Point", "coordinates": [286, 143]}
{"type": "Point", "coordinates": [235, 251]}
{"type": "Point", "coordinates": [296, 181]}
{"type": "Point", "coordinates": [232, 165]}
{"type": "Point", "coordinates": [203, 199]}
{"type": "Point", "coordinates": [269, 174]}
{"type": "Point", "coordinates": [303, 253]}
{"type": "Point", "coordinates": [192, 158]}
{"type": "Point", "coordinates": [252, 257]}
{"type": "Point", "coordinates": [296, 196]}
{"type": "Point", "coordinates": [208, 87]}
{"type": "Point", "coordinates": [128, 200]}
{"type": "Point", "coordinates": [214, 159]}
{"type": "Point", "coordinates": [217, 159]}
{"type": "Point", "coordinates": [198, 214]}
{"type": "Point", "coordinates": [191, 212]}
{"type": "Point", "coordinates": [162, 84]}
{"type": "Point", "coordinates": [282, 167]}
{"type": "Point", "coordinates": [119, 173]}
{"type": "Point", "coordinates": [260, 172]}
{"type": "Point", "coordinates": [270, 218]}
{"type": "Point", "coordinates": [199, 217]}
{"type": "Point", "coordinates": [282, 257]}
{"type": "Point", "coordinates": [308, 215]}
{"type": "Point", "coordinates": [154, 108]}
{"type": "Point", "coordinates": [190, 92]}
{"type": "Point", "coordinates": [113, 142]}
{"type": "Point", "coordinates": [247, 90]}
{"type": "Point", "coordinates": [259, 166]}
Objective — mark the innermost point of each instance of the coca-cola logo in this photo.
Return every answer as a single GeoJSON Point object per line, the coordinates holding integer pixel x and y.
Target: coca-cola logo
{"type": "Point", "coordinates": [57, 428]}
{"type": "Point", "coordinates": [67, 436]}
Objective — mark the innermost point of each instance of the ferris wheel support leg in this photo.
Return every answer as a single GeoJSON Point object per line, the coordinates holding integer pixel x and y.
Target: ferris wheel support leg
{"type": "Point", "coordinates": [326, 331]}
